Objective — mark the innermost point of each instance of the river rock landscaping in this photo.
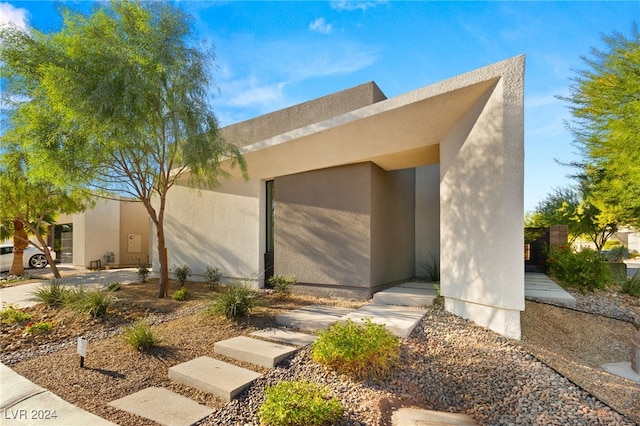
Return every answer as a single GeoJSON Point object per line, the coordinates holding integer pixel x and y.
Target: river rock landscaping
{"type": "Point", "coordinates": [552, 376]}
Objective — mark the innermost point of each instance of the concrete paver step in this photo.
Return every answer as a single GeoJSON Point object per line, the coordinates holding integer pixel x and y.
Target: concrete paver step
{"type": "Point", "coordinates": [163, 406]}
{"type": "Point", "coordinates": [418, 417]}
{"type": "Point", "coordinates": [313, 317]}
{"type": "Point", "coordinates": [400, 320]}
{"type": "Point", "coordinates": [254, 351]}
{"type": "Point", "coordinates": [287, 337]}
{"type": "Point", "coordinates": [211, 375]}
{"type": "Point", "coordinates": [408, 294]}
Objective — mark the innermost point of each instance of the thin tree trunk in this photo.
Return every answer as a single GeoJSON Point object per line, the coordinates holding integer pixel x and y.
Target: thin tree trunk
{"type": "Point", "coordinates": [47, 254]}
{"type": "Point", "coordinates": [163, 259]}
{"type": "Point", "coordinates": [20, 242]}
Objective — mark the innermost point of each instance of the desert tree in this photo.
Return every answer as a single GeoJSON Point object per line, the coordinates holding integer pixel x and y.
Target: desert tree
{"type": "Point", "coordinates": [30, 204]}
{"type": "Point", "coordinates": [129, 85]}
{"type": "Point", "coordinates": [604, 101]}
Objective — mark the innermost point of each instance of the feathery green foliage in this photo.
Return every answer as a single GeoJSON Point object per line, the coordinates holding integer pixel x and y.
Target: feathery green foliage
{"type": "Point", "coordinates": [295, 403]}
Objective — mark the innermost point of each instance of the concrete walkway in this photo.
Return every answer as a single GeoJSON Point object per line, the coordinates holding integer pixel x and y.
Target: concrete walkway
{"type": "Point", "coordinates": [540, 287]}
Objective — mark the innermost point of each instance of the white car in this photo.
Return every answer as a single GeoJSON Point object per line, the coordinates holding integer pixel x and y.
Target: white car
{"type": "Point", "coordinates": [31, 257]}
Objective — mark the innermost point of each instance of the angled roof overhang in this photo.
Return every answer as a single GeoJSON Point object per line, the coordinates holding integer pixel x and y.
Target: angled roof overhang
{"type": "Point", "coordinates": [396, 133]}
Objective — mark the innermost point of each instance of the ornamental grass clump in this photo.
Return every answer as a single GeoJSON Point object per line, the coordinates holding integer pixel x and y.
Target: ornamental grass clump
{"type": "Point", "coordinates": [632, 285]}
{"type": "Point", "coordinates": [52, 294]}
{"type": "Point", "coordinates": [237, 301]}
{"type": "Point", "coordinates": [94, 302]}
{"type": "Point", "coordinates": [362, 351]}
{"type": "Point", "coordinates": [140, 336]}
{"type": "Point", "coordinates": [299, 403]}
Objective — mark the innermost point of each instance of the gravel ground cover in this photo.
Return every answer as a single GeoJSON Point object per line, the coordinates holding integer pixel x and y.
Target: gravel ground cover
{"type": "Point", "coordinates": [449, 364]}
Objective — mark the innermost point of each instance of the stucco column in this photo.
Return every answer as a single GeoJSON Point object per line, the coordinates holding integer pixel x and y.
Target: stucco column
{"type": "Point", "coordinates": [481, 206]}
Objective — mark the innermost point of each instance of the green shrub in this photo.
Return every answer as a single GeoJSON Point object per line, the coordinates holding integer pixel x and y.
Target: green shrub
{"type": "Point", "coordinates": [52, 294]}
{"type": "Point", "coordinates": [366, 350]}
{"type": "Point", "coordinates": [182, 273]}
{"type": "Point", "coordinates": [10, 315]}
{"type": "Point", "coordinates": [39, 327]}
{"type": "Point", "coordinates": [213, 276]}
{"type": "Point", "coordinates": [299, 403]}
{"type": "Point", "coordinates": [140, 336]}
{"type": "Point", "coordinates": [632, 285]}
{"type": "Point", "coordinates": [143, 272]}
{"type": "Point", "coordinates": [113, 287]}
{"type": "Point", "coordinates": [282, 284]}
{"type": "Point", "coordinates": [94, 302]}
{"type": "Point", "coordinates": [181, 295]}
{"type": "Point", "coordinates": [585, 270]}
{"type": "Point", "coordinates": [237, 301]}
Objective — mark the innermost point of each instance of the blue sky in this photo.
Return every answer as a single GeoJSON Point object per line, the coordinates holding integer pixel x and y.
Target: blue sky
{"type": "Point", "coordinates": [270, 55]}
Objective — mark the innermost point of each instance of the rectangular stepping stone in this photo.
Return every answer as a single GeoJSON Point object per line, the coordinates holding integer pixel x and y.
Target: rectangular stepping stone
{"type": "Point", "coordinates": [400, 320]}
{"type": "Point", "coordinates": [211, 375]}
{"type": "Point", "coordinates": [406, 296]}
{"type": "Point", "coordinates": [163, 406]}
{"type": "Point", "coordinates": [285, 336]}
{"type": "Point", "coordinates": [313, 317]}
{"type": "Point", "coordinates": [254, 351]}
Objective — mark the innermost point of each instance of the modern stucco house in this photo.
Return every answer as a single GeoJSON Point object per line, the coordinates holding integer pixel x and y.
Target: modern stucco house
{"type": "Point", "coordinates": [352, 191]}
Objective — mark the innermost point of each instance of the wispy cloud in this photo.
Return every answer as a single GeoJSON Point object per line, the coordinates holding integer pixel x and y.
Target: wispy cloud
{"type": "Point", "coordinates": [260, 76]}
{"type": "Point", "coordinates": [355, 4]}
{"type": "Point", "coordinates": [321, 26]}
{"type": "Point", "coordinates": [12, 15]}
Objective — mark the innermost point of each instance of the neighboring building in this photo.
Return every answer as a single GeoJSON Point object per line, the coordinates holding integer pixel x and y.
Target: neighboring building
{"type": "Point", "coordinates": [120, 227]}
{"type": "Point", "coordinates": [352, 191]}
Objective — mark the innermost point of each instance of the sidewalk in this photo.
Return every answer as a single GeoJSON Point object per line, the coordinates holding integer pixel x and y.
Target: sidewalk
{"type": "Point", "coordinates": [25, 403]}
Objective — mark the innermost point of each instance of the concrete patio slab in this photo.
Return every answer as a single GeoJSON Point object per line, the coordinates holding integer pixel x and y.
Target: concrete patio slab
{"type": "Point", "coordinates": [21, 400]}
{"type": "Point", "coordinates": [622, 369]}
{"type": "Point", "coordinates": [417, 417]}
{"type": "Point", "coordinates": [163, 407]}
{"type": "Point", "coordinates": [401, 320]}
{"type": "Point", "coordinates": [254, 351]}
{"type": "Point", "coordinates": [211, 375]}
{"type": "Point", "coordinates": [314, 317]}
{"type": "Point", "coordinates": [408, 294]}
{"type": "Point", "coordinates": [288, 337]}
{"type": "Point", "coordinates": [540, 286]}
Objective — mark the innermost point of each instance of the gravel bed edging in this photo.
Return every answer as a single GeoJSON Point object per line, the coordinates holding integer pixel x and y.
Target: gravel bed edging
{"type": "Point", "coordinates": [470, 370]}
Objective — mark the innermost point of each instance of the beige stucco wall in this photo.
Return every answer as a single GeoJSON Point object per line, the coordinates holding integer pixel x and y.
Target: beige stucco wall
{"type": "Point", "coordinates": [481, 208]}
{"type": "Point", "coordinates": [392, 225]}
{"type": "Point", "coordinates": [300, 115]}
{"type": "Point", "coordinates": [427, 216]}
{"type": "Point", "coordinates": [95, 232]}
{"type": "Point", "coordinates": [219, 228]}
{"type": "Point", "coordinates": [134, 220]}
{"type": "Point", "coordinates": [323, 226]}
{"type": "Point", "coordinates": [348, 230]}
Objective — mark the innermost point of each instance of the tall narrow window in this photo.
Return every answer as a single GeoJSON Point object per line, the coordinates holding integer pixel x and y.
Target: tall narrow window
{"type": "Point", "coordinates": [269, 249]}
{"type": "Point", "coordinates": [270, 215]}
